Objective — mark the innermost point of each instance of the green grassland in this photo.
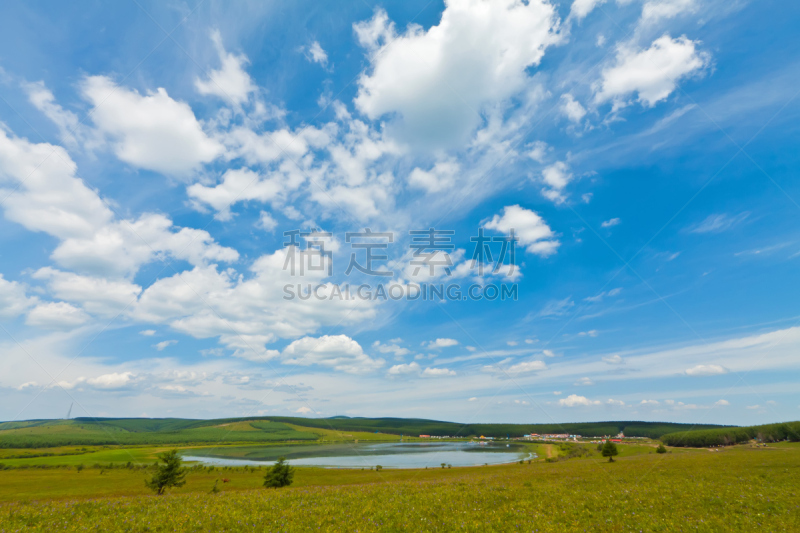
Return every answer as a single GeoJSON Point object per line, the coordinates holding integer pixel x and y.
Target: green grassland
{"type": "Point", "coordinates": [739, 488]}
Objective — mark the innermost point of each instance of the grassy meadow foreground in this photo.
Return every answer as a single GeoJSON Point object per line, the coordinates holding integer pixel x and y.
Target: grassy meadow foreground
{"type": "Point", "coordinates": [739, 488]}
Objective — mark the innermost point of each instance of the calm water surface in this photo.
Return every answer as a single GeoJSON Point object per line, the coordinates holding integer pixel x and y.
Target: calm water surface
{"type": "Point", "coordinates": [388, 455]}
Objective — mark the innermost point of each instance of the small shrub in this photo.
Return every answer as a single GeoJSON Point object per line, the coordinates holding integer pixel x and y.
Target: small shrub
{"type": "Point", "coordinates": [280, 475]}
{"type": "Point", "coordinates": [609, 450]}
{"type": "Point", "coordinates": [171, 474]}
{"type": "Point", "coordinates": [661, 449]}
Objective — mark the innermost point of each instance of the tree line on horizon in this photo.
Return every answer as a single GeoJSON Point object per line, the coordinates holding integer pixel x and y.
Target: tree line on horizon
{"type": "Point", "coordinates": [734, 435]}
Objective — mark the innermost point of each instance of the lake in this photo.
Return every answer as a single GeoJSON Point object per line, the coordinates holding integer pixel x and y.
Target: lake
{"type": "Point", "coordinates": [363, 455]}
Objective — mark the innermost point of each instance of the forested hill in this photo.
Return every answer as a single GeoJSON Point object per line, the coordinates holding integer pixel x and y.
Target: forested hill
{"type": "Point", "coordinates": [158, 431]}
{"type": "Point", "coordinates": [417, 426]}
{"type": "Point", "coordinates": [734, 435]}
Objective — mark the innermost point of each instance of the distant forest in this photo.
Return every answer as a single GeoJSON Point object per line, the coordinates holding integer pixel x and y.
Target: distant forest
{"type": "Point", "coordinates": [734, 435]}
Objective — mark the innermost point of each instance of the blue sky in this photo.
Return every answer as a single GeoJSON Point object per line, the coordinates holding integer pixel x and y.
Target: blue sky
{"type": "Point", "coordinates": [152, 157]}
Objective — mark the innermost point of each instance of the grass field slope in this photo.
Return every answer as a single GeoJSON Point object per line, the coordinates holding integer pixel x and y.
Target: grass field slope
{"type": "Point", "coordinates": [144, 431]}
{"type": "Point", "coordinates": [740, 488]}
{"type": "Point", "coordinates": [158, 431]}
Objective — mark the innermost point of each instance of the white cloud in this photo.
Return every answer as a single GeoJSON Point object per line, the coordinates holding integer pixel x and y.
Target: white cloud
{"type": "Point", "coordinates": [114, 380]}
{"type": "Point", "coordinates": [531, 230]}
{"type": "Point", "coordinates": [590, 333]}
{"type": "Point", "coordinates": [556, 308]}
{"type": "Point", "coordinates": [719, 223]}
{"type": "Point", "coordinates": [238, 185]}
{"type": "Point", "coordinates": [655, 10]}
{"type": "Point", "coordinates": [392, 348]}
{"type": "Point", "coordinates": [437, 81]}
{"type": "Point", "coordinates": [526, 366]}
{"type": "Point", "coordinates": [304, 410]}
{"type": "Point", "coordinates": [722, 403]}
{"type": "Point", "coordinates": [404, 369]}
{"type": "Point", "coordinates": [584, 382]}
{"type": "Point", "coordinates": [110, 381]}
{"type": "Point", "coordinates": [610, 223]}
{"type": "Point", "coordinates": [581, 8]}
{"type": "Point", "coordinates": [97, 295]}
{"type": "Point", "coordinates": [706, 370]}
{"type": "Point", "coordinates": [13, 301]}
{"type": "Point", "coordinates": [441, 177]}
{"type": "Point", "coordinates": [438, 372]}
{"type": "Point", "coordinates": [266, 222]}
{"type": "Point", "coordinates": [164, 344]}
{"type": "Point", "coordinates": [246, 313]}
{"type": "Point", "coordinates": [70, 130]}
{"type": "Point", "coordinates": [120, 248]}
{"type": "Point", "coordinates": [440, 343]}
{"type": "Point", "coordinates": [537, 151]}
{"type": "Point", "coordinates": [573, 400]}
{"type": "Point", "coordinates": [230, 82]}
{"type": "Point", "coordinates": [649, 402]}
{"type": "Point", "coordinates": [618, 403]}
{"type": "Point", "coordinates": [56, 315]}
{"type": "Point", "coordinates": [316, 54]}
{"type": "Point", "coordinates": [473, 399]}
{"type": "Point", "coordinates": [753, 407]}
{"type": "Point", "coordinates": [598, 297]}
{"type": "Point", "coordinates": [271, 147]}
{"type": "Point", "coordinates": [339, 352]}
{"type": "Point", "coordinates": [153, 131]}
{"type": "Point", "coordinates": [548, 353]}
{"type": "Point", "coordinates": [47, 196]}
{"type": "Point", "coordinates": [652, 73]}
{"type": "Point", "coordinates": [571, 108]}
{"type": "Point", "coordinates": [615, 359]}
{"type": "Point", "coordinates": [556, 176]}
{"type": "Point", "coordinates": [148, 332]}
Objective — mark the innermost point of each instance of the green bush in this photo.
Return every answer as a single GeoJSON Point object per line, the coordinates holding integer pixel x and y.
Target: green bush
{"type": "Point", "coordinates": [170, 474]}
{"type": "Point", "coordinates": [609, 450]}
{"type": "Point", "coordinates": [280, 475]}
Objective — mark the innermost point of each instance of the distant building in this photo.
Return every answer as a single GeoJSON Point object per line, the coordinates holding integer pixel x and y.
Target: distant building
{"type": "Point", "coordinates": [424, 436]}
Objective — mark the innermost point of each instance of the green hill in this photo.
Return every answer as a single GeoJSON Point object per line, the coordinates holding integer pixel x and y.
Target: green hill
{"type": "Point", "coordinates": [141, 431]}
{"type": "Point", "coordinates": [158, 431]}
